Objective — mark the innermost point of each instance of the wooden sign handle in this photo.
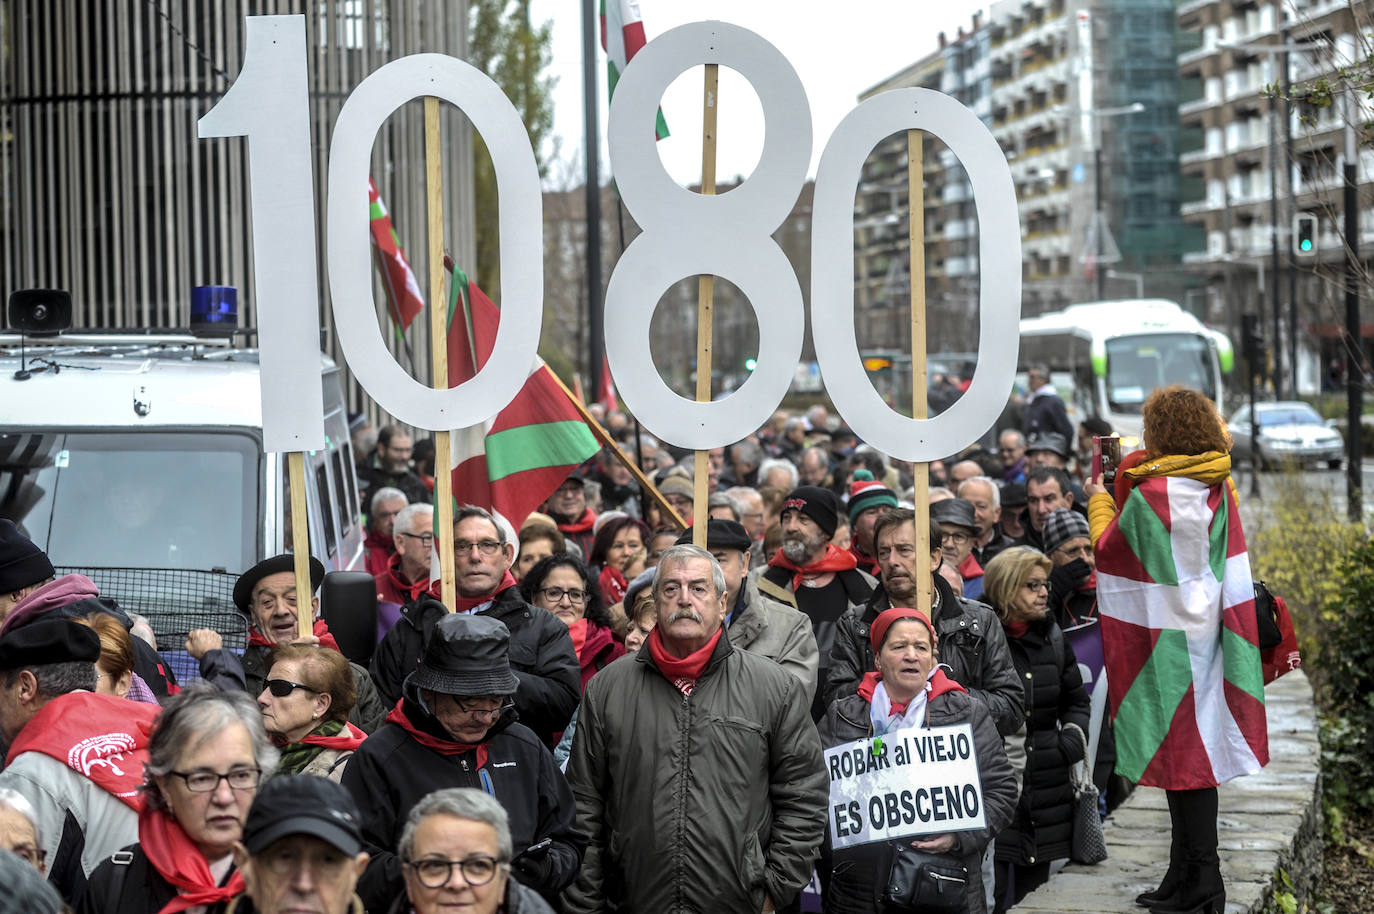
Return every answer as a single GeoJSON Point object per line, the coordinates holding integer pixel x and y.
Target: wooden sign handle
{"type": "Point", "coordinates": [706, 289]}
{"type": "Point", "coordinates": [916, 251]}
{"type": "Point", "coordinates": [300, 543]}
{"type": "Point", "coordinates": [438, 342]}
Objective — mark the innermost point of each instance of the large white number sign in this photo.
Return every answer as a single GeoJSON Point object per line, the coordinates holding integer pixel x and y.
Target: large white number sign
{"type": "Point", "coordinates": [269, 104]}
{"type": "Point", "coordinates": [686, 234]}
{"type": "Point", "coordinates": [521, 226]}
{"type": "Point", "coordinates": [832, 274]}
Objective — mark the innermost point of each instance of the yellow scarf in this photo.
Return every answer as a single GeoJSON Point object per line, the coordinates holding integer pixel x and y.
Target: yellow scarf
{"type": "Point", "coordinates": [1210, 468]}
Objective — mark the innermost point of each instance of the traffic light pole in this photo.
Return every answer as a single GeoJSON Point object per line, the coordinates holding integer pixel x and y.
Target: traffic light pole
{"type": "Point", "coordinates": [1250, 327]}
{"type": "Point", "coordinates": [1292, 258]}
{"type": "Point", "coordinates": [1273, 286]}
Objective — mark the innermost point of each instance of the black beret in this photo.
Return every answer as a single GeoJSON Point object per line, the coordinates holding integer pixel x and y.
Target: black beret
{"type": "Point", "coordinates": [243, 588]}
{"type": "Point", "coordinates": [722, 534]}
{"type": "Point", "coordinates": [48, 641]}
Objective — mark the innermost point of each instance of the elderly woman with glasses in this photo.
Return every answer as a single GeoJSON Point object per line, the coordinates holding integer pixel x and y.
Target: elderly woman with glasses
{"type": "Point", "coordinates": [207, 755]}
{"type": "Point", "coordinates": [561, 584]}
{"type": "Point", "coordinates": [1016, 583]}
{"type": "Point", "coordinates": [305, 704]}
{"type": "Point", "coordinates": [456, 726]}
{"type": "Point", "coordinates": [456, 851]}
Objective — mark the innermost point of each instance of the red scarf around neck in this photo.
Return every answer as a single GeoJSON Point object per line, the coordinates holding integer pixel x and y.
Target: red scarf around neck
{"type": "Point", "coordinates": [175, 856]}
{"type": "Point", "coordinates": [320, 630]}
{"type": "Point", "coordinates": [101, 737]}
{"type": "Point", "coordinates": [582, 524]}
{"type": "Point", "coordinates": [397, 716]}
{"type": "Point", "coordinates": [1016, 629]}
{"type": "Point", "coordinates": [682, 672]}
{"type": "Point", "coordinates": [468, 604]}
{"type": "Point", "coordinates": [613, 585]}
{"type": "Point", "coordinates": [347, 741]}
{"type": "Point", "coordinates": [939, 684]}
{"type": "Point", "coordinates": [835, 559]}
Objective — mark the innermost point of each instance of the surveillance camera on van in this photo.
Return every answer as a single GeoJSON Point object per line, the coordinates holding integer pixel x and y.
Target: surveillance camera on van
{"type": "Point", "coordinates": [135, 458]}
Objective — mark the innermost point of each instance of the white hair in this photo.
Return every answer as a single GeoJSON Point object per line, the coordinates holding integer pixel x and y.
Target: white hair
{"type": "Point", "coordinates": [386, 493]}
{"type": "Point", "coordinates": [779, 463]}
{"type": "Point", "coordinates": [987, 481]}
{"type": "Point", "coordinates": [408, 513]}
{"type": "Point", "coordinates": [20, 804]}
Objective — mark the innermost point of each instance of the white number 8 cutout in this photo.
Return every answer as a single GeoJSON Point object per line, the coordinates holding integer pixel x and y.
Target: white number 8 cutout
{"type": "Point", "coordinates": [687, 234]}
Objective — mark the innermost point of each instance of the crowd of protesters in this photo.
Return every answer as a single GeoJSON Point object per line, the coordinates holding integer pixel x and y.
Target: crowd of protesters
{"type": "Point", "coordinates": [613, 719]}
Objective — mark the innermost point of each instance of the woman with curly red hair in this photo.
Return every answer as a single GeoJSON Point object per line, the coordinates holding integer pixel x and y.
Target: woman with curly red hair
{"type": "Point", "coordinates": [1179, 635]}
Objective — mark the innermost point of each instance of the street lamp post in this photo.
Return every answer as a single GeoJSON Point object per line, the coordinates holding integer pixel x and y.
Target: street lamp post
{"type": "Point", "coordinates": [1100, 225]}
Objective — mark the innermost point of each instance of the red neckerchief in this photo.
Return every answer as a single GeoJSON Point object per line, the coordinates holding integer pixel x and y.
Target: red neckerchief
{"type": "Point", "coordinates": [347, 741]}
{"type": "Point", "coordinates": [1016, 629]}
{"type": "Point", "coordinates": [430, 741]}
{"type": "Point", "coordinates": [578, 631]}
{"type": "Point", "coordinates": [969, 568]}
{"type": "Point", "coordinates": [835, 559]}
{"type": "Point", "coordinates": [939, 685]}
{"type": "Point", "coordinates": [468, 604]}
{"type": "Point", "coordinates": [864, 562]}
{"type": "Point", "coordinates": [613, 585]}
{"type": "Point", "coordinates": [320, 630]}
{"type": "Point", "coordinates": [177, 859]}
{"type": "Point", "coordinates": [582, 524]}
{"type": "Point", "coordinates": [682, 672]}
{"type": "Point", "coordinates": [412, 591]}
{"type": "Point", "coordinates": [101, 737]}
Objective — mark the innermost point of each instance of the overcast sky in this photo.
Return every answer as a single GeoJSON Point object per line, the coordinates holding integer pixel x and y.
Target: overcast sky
{"type": "Point", "coordinates": [838, 50]}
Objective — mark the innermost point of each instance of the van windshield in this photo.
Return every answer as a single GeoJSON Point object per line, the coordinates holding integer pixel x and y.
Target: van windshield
{"type": "Point", "coordinates": [1138, 364]}
{"type": "Point", "coordinates": [134, 500]}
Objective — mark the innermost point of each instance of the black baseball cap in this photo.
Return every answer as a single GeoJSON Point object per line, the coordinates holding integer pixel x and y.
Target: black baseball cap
{"type": "Point", "coordinates": [301, 804]}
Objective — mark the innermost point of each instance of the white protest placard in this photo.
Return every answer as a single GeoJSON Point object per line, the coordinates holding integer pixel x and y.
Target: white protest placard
{"type": "Point", "coordinates": [922, 781]}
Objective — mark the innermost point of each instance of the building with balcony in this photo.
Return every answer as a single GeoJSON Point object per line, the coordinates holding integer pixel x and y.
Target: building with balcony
{"type": "Point", "coordinates": [1238, 172]}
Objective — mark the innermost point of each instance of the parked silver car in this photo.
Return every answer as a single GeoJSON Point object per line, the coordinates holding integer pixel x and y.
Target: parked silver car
{"type": "Point", "coordinates": [1289, 432]}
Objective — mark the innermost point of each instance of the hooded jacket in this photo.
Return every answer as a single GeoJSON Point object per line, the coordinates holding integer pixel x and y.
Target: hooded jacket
{"type": "Point", "coordinates": [705, 802]}
{"type": "Point", "coordinates": [541, 656]}
{"type": "Point", "coordinates": [972, 645]}
{"type": "Point", "coordinates": [856, 884]}
{"type": "Point", "coordinates": [391, 772]}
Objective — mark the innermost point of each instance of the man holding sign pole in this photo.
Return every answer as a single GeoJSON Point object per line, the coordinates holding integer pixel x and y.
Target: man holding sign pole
{"type": "Point", "coordinates": [914, 759]}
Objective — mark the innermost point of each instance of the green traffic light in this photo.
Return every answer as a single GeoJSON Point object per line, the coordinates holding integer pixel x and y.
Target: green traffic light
{"type": "Point", "coordinates": [1305, 245]}
{"type": "Point", "coordinates": [751, 364]}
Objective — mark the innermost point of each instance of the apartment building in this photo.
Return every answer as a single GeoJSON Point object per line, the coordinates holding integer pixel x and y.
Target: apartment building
{"type": "Point", "coordinates": [1243, 185]}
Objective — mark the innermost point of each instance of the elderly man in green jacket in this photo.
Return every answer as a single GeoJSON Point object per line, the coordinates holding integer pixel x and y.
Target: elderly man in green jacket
{"type": "Point", "coordinates": [697, 772]}
{"type": "Point", "coordinates": [768, 624]}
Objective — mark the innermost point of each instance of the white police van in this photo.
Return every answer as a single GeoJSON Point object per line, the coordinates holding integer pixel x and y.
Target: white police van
{"type": "Point", "coordinates": [137, 459]}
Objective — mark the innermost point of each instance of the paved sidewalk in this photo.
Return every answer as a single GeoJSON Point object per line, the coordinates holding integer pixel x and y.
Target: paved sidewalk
{"type": "Point", "coordinates": [1268, 820]}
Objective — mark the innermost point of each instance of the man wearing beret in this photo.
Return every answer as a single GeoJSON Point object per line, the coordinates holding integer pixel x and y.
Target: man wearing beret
{"type": "Point", "coordinates": [824, 579]}
{"type": "Point", "coordinates": [266, 594]}
{"type": "Point", "coordinates": [754, 622]}
{"type": "Point", "coordinates": [76, 756]}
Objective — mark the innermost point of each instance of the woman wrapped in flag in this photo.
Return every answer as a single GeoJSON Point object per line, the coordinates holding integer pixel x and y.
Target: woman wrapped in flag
{"type": "Point", "coordinates": [1179, 633]}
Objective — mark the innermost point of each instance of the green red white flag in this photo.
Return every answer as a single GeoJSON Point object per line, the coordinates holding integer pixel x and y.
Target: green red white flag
{"type": "Point", "coordinates": [1179, 636]}
{"type": "Point", "coordinates": [519, 458]}
{"type": "Point", "coordinates": [404, 300]}
{"type": "Point", "coordinates": [622, 35]}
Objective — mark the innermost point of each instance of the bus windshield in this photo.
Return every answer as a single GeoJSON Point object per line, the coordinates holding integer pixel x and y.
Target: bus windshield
{"type": "Point", "coordinates": [182, 500]}
{"type": "Point", "coordinates": [1138, 364]}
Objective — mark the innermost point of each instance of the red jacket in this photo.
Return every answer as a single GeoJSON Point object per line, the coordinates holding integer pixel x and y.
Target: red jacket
{"type": "Point", "coordinates": [392, 588]}
{"type": "Point", "coordinates": [380, 549]}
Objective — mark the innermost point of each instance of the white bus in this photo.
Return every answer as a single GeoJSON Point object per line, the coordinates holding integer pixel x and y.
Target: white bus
{"type": "Point", "coordinates": [1119, 351]}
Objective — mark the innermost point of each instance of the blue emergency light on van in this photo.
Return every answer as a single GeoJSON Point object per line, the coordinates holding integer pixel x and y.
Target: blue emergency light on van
{"type": "Point", "coordinates": [214, 310]}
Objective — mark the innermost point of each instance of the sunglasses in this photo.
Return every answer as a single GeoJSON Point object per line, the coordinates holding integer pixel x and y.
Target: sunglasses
{"type": "Point", "coordinates": [284, 687]}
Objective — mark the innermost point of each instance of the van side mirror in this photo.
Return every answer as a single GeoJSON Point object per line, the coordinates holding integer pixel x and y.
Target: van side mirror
{"type": "Point", "coordinates": [348, 604]}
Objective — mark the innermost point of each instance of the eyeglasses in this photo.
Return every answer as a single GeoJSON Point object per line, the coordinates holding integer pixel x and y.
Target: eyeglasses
{"type": "Point", "coordinates": [435, 872]}
{"type": "Point", "coordinates": [206, 781]}
{"type": "Point", "coordinates": [556, 594]}
{"type": "Point", "coordinates": [426, 539]}
{"type": "Point", "coordinates": [486, 547]}
{"type": "Point", "coordinates": [284, 687]}
{"type": "Point", "coordinates": [1038, 585]}
{"type": "Point", "coordinates": [957, 537]}
{"type": "Point", "coordinates": [478, 711]}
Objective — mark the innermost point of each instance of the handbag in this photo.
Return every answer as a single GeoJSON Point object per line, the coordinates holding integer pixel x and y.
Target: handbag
{"type": "Point", "coordinates": [1266, 617]}
{"type": "Point", "coordinates": [921, 882]}
{"type": "Point", "coordinates": [1282, 657]}
{"type": "Point", "coordinates": [1088, 844]}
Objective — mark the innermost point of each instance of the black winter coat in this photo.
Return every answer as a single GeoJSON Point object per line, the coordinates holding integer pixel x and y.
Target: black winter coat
{"type": "Point", "coordinates": [972, 645]}
{"type": "Point", "coordinates": [541, 656]}
{"type": "Point", "coordinates": [391, 772]}
{"type": "Point", "coordinates": [1046, 413]}
{"type": "Point", "coordinates": [856, 882]}
{"type": "Point", "coordinates": [142, 890]}
{"type": "Point", "coordinates": [1054, 696]}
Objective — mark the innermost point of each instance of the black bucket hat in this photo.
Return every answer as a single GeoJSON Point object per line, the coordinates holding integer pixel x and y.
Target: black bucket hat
{"type": "Point", "coordinates": [466, 656]}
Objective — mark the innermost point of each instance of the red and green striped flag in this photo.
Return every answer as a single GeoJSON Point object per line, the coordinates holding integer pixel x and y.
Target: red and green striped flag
{"type": "Point", "coordinates": [519, 458]}
{"type": "Point", "coordinates": [1179, 636]}
{"type": "Point", "coordinates": [622, 35]}
{"type": "Point", "coordinates": [404, 300]}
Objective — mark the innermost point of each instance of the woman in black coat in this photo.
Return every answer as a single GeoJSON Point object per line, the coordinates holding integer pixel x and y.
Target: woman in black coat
{"type": "Point", "coordinates": [1016, 583]}
{"type": "Point", "coordinates": [907, 690]}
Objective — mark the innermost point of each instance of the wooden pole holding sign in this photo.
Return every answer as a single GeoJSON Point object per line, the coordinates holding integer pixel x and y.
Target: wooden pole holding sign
{"type": "Point", "coordinates": [916, 238]}
{"type": "Point", "coordinates": [300, 542]}
{"type": "Point", "coordinates": [706, 289]}
{"type": "Point", "coordinates": [438, 342]}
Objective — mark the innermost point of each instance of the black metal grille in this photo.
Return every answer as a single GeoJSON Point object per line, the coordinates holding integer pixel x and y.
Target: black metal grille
{"type": "Point", "coordinates": [174, 601]}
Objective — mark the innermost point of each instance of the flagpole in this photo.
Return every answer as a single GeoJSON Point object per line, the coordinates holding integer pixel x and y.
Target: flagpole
{"type": "Point", "coordinates": [916, 253]}
{"type": "Point", "coordinates": [600, 433]}
{"type": "Point", "coordinates": [706, 288]}
{"type": "Point", "coordinates": [438, 347]}
{"type": "Point", "coordinates": [300, 543]}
